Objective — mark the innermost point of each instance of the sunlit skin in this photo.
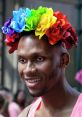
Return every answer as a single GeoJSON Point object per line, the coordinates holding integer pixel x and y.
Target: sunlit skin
{"type": "Point", "coordinates": [42, 67]}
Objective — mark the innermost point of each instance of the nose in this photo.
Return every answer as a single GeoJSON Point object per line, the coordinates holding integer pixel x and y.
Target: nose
{"type": "Point", "coordinates": [29, 68]}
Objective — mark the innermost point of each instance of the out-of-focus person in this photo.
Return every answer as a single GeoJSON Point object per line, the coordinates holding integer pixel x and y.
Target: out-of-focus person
{"type": "Point", "coordinates": [17, 105]}
{"type": "Point", "coordinates": [3, 107]}
{"type": "Point", "coordinates": [7, 96]}
{"type": "Point", "coordinates": [6, 92]}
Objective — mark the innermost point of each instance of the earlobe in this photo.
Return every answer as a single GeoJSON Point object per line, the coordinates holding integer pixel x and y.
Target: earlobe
{"type": "Point", "coordinates": [64, 59]}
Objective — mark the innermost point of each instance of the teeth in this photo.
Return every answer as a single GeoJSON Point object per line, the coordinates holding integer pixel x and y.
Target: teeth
{"type": "Point", "coordinates": [34, 80]}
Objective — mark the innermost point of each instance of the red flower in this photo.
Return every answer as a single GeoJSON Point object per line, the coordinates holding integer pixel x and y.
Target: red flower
{"type": "Point", "coordinates": [62, 30]}
{"type": "Point", "coordinates": [12, 41]}
{"type": "Point", "coordinates": [13, 47]}
{"type": "Point", "coordinates": [69, 37]}
{"type": "Point", "coordinates": [60, 16]}
{"type": "Point", "coordinates": [54, 33]}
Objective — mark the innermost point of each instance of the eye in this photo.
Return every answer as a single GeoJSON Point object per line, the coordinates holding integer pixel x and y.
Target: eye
{"type": "Point", "coordinates": [40, 59]}
{"type": "Point", "coordinates": [22, 60]}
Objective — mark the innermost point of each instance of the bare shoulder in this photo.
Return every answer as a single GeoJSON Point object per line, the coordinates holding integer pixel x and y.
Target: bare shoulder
{"type": "Point", "coordinates": [25, 112]}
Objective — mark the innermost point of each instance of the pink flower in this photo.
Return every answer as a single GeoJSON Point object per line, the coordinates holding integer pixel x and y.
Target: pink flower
{"type": "Point", "coordinates": [78, 76]}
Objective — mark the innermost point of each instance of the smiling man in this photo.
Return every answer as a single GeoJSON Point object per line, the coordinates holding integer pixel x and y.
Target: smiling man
{"type": "Point", "coordinates": [42, 38]}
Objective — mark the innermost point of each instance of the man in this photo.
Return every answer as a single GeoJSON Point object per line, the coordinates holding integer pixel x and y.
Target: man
{"type": "Point", "coordinates": [41, 43]}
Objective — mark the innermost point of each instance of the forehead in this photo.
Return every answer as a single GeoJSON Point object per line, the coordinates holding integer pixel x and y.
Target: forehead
{"type": "Point", "coordinates": [31, 44]}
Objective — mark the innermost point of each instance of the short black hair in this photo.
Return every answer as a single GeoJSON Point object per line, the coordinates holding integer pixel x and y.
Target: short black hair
{"type": "Point", "coordinates": [26, 33]}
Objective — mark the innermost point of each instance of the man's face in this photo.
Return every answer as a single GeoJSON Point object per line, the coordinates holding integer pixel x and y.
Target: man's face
{"type": "Point", "coordinates": [38, 65]}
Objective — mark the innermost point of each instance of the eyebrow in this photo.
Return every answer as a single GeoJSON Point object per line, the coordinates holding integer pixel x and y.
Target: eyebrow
{"type": "Point", "coordinates": [34, 54]}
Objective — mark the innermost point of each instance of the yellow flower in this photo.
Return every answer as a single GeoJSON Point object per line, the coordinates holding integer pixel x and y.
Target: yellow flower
{"type": "Point", "coordinates": [47, 20]}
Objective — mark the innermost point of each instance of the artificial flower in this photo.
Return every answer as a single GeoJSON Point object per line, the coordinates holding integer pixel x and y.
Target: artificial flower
{"type": "Point", "coordinates": [7, 29]}
{"type": "Point", "coordinates": [61, 17]}
{"type": "Point", "coordinates": [41, 10]}
{"type": "Point", "coordinates": [43, 21]}
{"type": "Point", "coordinates": [69, 37]}
{"type": "Point", "coordinates": [18, 21]}
{"type": "Point", "coordinates": [54, 33]}
{"type": "Point", "coordinates": [11, 39]}
{"type": "Point", "coordinates": [32, 21]}
{"type": "Point", "coordinates": [13, 47]}
{"type": "Point", "coordinates": [46, 21]}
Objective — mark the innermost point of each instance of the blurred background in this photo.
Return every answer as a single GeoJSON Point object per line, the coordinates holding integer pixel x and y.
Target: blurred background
{"type": "Point", "coordinates": [8, 63]}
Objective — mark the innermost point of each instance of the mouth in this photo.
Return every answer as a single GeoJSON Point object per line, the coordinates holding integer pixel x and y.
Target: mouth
{"type": "Point", "coordinates": [32, 82]}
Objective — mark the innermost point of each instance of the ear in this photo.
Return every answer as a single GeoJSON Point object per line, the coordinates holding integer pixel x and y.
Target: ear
{"type": "Point", "coordinates": [64, 60]}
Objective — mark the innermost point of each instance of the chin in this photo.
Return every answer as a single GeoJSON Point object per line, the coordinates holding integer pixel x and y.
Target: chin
{"type": "Point", "coordinates": [37, 93]}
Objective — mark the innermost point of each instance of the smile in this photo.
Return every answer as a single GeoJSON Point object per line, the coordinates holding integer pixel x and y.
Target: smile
{"type": "Point", "coordinates": [33, 80]}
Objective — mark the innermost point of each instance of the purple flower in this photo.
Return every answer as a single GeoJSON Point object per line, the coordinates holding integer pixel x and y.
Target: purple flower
{"type": "Point", "coordinates": [7, 29]}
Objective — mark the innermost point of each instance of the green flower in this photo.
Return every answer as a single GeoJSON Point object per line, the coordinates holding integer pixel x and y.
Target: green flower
{"type": "Point", "coordinates": [33, 20]}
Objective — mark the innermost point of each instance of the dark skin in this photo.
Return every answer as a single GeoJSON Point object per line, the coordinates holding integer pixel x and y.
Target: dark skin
{"type": "Point", "coordinates": [42, 67]}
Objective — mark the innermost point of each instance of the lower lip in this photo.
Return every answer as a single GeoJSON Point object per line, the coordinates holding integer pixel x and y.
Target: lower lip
{"type": "Point", "coordinates": [33, 83]}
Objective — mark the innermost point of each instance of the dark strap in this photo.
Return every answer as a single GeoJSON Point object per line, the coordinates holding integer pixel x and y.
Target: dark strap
{"type": "Point", "coordinates": [28, 111]}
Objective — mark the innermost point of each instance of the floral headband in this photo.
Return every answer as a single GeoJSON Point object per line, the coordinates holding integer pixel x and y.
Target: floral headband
{"type": "Point", "coordinates": [44, 21]}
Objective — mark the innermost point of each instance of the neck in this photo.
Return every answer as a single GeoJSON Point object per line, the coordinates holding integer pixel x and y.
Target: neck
{"type": "Point", "coordinates": [58, 97]}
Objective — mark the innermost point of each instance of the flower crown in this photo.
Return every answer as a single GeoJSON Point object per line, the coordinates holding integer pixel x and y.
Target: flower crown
{"type": "Point", "coordinates": [43, 21]}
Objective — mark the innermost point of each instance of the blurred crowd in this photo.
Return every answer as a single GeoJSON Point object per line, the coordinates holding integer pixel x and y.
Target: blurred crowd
{"type": "Point", "coordinates": [12, 105]}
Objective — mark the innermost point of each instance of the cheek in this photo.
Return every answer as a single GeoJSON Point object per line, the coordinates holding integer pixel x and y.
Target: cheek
{"type": "Point", "coordinates": [46, 67]}
{"type": "Point", "coordinates": [50, 69]}
{"type": "Point", "coordinates": [20, 70]}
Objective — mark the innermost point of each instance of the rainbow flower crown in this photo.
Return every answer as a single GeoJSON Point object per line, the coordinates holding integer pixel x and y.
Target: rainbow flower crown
{"type": "Point", "coordinates": [43, 21]}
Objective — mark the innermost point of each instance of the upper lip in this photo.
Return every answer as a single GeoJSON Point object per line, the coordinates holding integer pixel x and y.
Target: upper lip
{"type": "Point", "coordinates": [31, 78]}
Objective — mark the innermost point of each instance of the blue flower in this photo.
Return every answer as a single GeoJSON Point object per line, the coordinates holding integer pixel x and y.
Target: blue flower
{"type": "Point", "coordinates": [18, 21]}
{"type": "Point", "coordinates": [28, 12]}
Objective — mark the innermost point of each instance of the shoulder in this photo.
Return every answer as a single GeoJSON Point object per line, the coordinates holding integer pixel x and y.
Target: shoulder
{"type": "Point", "coordinates": [79, 101]}
{"type": "Point", "coordinates": [77, 110]}
{"type": "Point", "coordinates": [31, 108]}
{"type": "Point", "coordinates": [25, 111]}
{"type": "Point", "coordinates": [81, 95]}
